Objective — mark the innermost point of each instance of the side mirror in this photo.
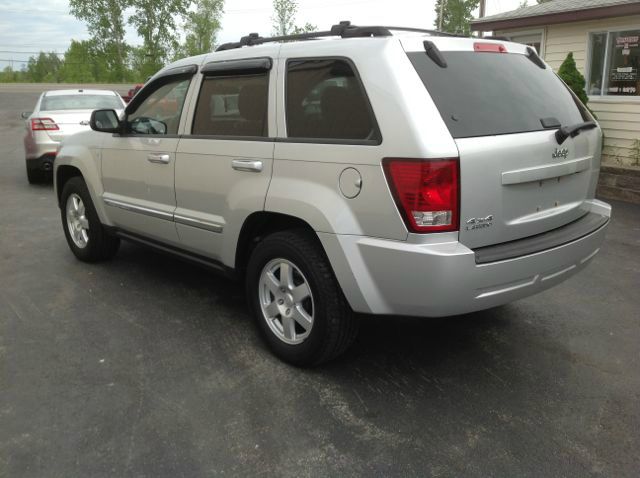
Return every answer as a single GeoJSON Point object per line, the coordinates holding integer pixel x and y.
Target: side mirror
{"type": "Point", "coordinates": [25, 115]}
{"type": "Point", "coordinates": [105, 121]}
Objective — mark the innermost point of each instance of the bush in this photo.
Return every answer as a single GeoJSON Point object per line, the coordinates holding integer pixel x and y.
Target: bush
{"type": "Point", "coordinates": [573, 78]}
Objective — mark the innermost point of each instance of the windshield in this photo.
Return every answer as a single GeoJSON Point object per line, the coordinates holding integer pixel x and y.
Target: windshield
{"type": "Point", "coordinates": [80, 102]}
{"type": "Point", "coordinates": [485, 94]}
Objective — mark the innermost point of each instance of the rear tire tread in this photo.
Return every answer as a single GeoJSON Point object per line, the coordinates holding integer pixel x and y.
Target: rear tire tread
{"type": "Point", "coordinates": [341, 323]}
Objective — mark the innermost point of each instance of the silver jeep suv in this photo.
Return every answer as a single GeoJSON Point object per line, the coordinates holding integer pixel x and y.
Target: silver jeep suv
{"type": "Point", "coordinates": [363, 170]}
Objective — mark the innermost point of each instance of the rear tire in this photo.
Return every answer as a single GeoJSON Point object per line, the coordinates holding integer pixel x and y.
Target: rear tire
{"type": "Point", "coordinates": [35, 176]}
{"type": "Point", "coordinates": [86, 236]}
{"type": "Point", "coordinates": [333, 326]}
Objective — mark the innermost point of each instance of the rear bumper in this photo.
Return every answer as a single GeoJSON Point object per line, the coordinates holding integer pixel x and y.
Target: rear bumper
{"type": "Point", "coordinates": [434, 280]}
{"type": "Point", "coordinates": [37, 144]}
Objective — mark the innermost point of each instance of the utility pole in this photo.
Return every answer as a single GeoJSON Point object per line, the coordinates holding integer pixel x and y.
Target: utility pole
{"type": "Point", "coordinates": [482, 12]}
{"type": "Point", "coordinates": [441, 13]}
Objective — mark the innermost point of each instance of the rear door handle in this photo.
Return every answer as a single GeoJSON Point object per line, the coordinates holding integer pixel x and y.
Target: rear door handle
{"type": "Point", "coordinates": [159, 158]}
{"type": "Point", "coordinates": [249, 165]}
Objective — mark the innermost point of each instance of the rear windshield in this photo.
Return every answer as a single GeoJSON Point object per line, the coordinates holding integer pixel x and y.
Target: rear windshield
{"type": "Point", "coordinates": [80, 102]}
{"type": "Point", "coordinates": [485, 94]}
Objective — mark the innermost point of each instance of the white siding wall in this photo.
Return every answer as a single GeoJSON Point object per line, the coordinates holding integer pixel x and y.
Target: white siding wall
{"type": "Point", "coordinates": [619, 118]}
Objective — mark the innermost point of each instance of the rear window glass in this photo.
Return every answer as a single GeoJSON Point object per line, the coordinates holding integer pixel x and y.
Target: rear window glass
{"type": "Point", "coordinates": [80, 102]}
{"type": "Point", "coordinates": [485, 94]}
{"type": "Point", "coordinates": [326, 100]}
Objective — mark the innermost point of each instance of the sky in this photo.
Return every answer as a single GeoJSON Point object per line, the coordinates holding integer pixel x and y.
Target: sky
{"type": "Point", "coordinates": [28, 26]}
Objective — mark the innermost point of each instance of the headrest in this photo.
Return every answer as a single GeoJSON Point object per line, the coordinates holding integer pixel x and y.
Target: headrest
{"type": "Point", "coordinates": [252, 102]}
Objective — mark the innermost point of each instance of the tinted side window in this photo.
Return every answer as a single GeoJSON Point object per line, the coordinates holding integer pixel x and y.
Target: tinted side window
{"type": "Point", "coordinates": [160, 112]}
{"type": "Point", "coordinates": [232, 106]}
{"type": "Point", "coordinates": [326, 100]}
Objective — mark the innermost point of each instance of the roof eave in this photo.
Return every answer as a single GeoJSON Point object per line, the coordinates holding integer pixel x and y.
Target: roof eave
{"type": "Point", "coordinates": [481, 25]}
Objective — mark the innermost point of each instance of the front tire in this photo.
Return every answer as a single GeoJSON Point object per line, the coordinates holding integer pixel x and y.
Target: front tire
{"type": "Point", "coordinates": [297, 301]}
{"type": "Point", "coordinates": [85, 234]}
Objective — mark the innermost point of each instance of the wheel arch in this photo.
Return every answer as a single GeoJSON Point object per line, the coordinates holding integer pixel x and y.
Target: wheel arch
{"type": "Point", "coordinates": [63, 174]}
{"type": "Point", "coordinates": [262, 223]}
{"type": "Point", "coordinates": [257, 226]}
{"type": "Point", "coordinates": [79, 161]}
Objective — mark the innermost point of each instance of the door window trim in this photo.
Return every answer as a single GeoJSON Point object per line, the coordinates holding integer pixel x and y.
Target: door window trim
{"type": "Point", "coordinates": [357, 142]}
{"type": "Point", "coordinates": [244, 66]}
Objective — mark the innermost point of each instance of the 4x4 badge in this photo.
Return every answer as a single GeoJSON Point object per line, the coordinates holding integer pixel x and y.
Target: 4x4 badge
{"type": "Point", "coordinates": [560, 153]}
{"type": "Point", "coordinates": [479, 222]}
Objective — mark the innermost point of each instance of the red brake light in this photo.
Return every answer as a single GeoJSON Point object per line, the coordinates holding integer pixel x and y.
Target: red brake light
{"type": "Point", "coordinates": [43, 124]}
{"type": "Point", "coordinates": [426, 192]}
{"type": "Point", "coordinates": [489, 47]}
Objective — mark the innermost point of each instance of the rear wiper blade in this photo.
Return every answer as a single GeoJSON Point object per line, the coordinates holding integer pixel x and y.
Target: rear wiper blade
{"type": "Point", "coordinates": [574, 130]}
{"type": "Point", "coordinates": [533, 56]}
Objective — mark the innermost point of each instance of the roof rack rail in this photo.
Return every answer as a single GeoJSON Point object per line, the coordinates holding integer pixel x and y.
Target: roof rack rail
{"type": "Point", "coordinates": [343, 29]}
{"type": "Point", "coordinates": [495, 37]}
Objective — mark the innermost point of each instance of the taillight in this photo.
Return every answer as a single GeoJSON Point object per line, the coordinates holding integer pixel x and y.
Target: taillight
{"type": "Point", "coordinates": [43, 124]}
{"type": "Point", "coordinates": [426, 191]}
{"type": "Point", "coordinates": [489, 47]}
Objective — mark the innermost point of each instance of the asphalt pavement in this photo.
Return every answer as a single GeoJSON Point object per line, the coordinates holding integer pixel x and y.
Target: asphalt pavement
{"type": "Point", "coordinates": [148, 366]}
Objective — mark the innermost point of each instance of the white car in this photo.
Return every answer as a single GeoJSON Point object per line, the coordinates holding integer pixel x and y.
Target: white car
{"type": "Point", "coordinates": [57, 115]}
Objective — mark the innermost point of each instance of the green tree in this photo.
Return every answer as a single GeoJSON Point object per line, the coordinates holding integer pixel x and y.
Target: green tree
{"type": "Point", "coordinates": [9, 75]}
{"type": "Point", "coordinates": [542, 1]}
{"type": "Point", "coordinates": [284, 16]}
{"type": "Point", "coordinates": [201, 27]}
{"type": "Point", "coordinates": [105, 22]}
{"type": "Point", "coordinates": [79, 63]}
{"type": "Point", "coordinates": [44, 68]}
{"type": "Point", "coordinates": [155, 22]}
{"type": "Point", "coordinates": [573, 78]}
{"type": "Point", "coordinates": [456, 15]}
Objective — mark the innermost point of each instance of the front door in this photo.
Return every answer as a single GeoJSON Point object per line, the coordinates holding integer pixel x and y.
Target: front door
{"type": "Point", "coordinates": [224, 159]}
{"type": "Point", "coordinates": [138, 166]}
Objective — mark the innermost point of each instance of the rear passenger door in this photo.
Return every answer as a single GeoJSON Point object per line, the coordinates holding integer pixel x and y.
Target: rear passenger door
{"type": "Point", "coordinates": [224, 159]}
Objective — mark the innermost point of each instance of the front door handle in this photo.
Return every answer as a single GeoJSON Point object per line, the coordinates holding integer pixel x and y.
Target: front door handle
{"type": "Point", "coordinates": [159, 158]}
{"type": "Point", "coordinates": [249, 165]}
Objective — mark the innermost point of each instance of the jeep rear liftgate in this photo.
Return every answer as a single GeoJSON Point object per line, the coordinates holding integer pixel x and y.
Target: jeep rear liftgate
{"type": "Point", "coordinates": [517, 179]}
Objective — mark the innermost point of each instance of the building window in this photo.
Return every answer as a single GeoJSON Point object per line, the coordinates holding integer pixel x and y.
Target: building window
{"type": "Point", "coordinates": [613, 63]}
{"type": "Point", "coordinates": [532, 39]}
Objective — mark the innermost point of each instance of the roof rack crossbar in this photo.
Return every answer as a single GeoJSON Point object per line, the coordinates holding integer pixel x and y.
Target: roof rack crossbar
{"type": "Point", "coordinates": [343, 29]}
{"type": "Point", "coordinates": [422, 30]}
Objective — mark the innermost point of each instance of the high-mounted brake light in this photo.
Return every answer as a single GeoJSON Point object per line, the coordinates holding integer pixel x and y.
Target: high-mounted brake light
{"type": "Point", "coordinates": [489, 47]}
{"type": "Point", "coordinates": [427, 192]}
{"type": "Point", "coordinates": [43, 124]}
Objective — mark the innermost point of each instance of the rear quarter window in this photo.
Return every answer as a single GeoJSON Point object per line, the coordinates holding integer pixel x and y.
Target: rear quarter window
{"type": "Point", "coordinates": [326, 100]}
{"type": "Point", "coordinates": [485, 94]}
